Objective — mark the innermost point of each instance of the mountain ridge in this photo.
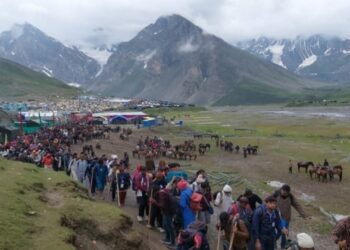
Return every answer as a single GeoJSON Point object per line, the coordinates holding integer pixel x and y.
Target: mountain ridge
{"type": "Point", "coordinates": [19, 82]}
{"type": "Point", "coordinates": [29, 46]}
{"type": "Point", "coordinates": [177, 59]}
{"type": "Point", "coordinates": [319, 57]}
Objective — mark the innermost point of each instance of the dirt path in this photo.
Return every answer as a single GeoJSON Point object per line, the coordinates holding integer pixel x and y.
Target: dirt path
{"type": "Point", "coordinates": [252, 172]}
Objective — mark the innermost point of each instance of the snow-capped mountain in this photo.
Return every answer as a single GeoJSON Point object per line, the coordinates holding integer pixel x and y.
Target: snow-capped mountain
{"type": "Point", "coordinates": [175, 60]}
{"type": "Point", "coordinates": [318, 57]}
{"type": "Point", "coordinates": [27, 45]}
{"type": "Point", "coordinates": [100, 53]}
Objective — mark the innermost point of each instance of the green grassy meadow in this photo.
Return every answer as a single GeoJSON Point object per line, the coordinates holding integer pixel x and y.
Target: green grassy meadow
{"type": "Point", "coordinates": [36, 203]}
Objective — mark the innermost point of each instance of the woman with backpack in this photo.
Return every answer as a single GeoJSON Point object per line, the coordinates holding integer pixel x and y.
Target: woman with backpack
{"type": "Point", "coordinates": [168, 203]}
{"type": "Point", "coordinates": [188, 214]}
{"type": "Point", "coordinates": [207, 210]}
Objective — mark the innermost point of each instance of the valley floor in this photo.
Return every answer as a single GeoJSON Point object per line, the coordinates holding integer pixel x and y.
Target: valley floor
{"type": "Point", "coordinates": [271, 163]}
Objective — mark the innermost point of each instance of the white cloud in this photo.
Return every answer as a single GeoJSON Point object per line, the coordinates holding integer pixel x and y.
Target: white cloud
{"type": "Point", "coordinates": [188, 47]}
{"type": "Point", "coordinates": [76, 21]}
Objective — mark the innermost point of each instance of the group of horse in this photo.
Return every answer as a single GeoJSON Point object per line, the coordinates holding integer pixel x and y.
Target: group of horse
{"type": "Point", "coordinates": [124, 135]}
{"type": "Point", "coordinates": [322, 173]}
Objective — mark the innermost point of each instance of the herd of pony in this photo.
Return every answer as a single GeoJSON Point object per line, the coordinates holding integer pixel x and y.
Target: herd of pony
{"type": "Point", "coordinates": [321, 172]}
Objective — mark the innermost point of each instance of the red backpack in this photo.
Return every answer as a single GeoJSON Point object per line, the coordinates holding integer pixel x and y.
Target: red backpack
{"type": "Point", "coordinates": [195, 202]}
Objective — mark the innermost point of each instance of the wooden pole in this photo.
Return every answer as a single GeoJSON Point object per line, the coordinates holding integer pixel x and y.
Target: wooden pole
{"type": "Point", "coordinates": [232, 236]}
{"type": "Point", "coordinates": [150, 208]}
{"type": "Point", "coordinates": [219, 238]}
{"type": "Point", "coordinates": [118, 191]}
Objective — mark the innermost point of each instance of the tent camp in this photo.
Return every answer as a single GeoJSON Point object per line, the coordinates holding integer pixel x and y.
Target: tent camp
{"type": "Point", "coordinates": [121, 117]}
{"type": "Point", "coordinates": [7, 130]}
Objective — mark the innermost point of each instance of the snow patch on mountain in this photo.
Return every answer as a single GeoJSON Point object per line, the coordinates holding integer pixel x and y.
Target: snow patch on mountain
{"type": "Point", "coordinates": [346, 52]}
{"type": "Point", "coordinates": [328, 52]}
{"type": "Point", "coordinates": [308, 61]}
{"type": "Point", "coordinates": [146, 56]}
{"type": "Point", "coordinates": [157, 32]}
{"type": "Point", "coordinates": [277, 52]}
{"type": "Point", "coordinates": [47, 71]}
{"type": "Point", "coordinates": [74, 84]}
{"type": "Point", "coordinates": [100, 55]}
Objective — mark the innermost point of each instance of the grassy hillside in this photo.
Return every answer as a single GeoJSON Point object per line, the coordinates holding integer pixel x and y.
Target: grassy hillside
{"type": "Point", "coordinates": [20, 82]}
{"type": "Point", "coordinates": [42, 209]}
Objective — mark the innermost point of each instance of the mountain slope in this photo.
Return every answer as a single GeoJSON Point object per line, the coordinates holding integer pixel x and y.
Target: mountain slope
{"type": "Point", "coordinates": [17, 81]}
{"type": "Point", "coordinates": [317, 57]}
{"type": "Point", "coordinates": [32, 48]}
{"type": "Point", "coordinates": [175, 60]}
{"type": "Point", "coordinates": [43, 209]}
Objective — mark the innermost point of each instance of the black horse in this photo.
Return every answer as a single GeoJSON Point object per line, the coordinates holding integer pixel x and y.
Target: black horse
{"type": "Point", "coordinates": [305, 165]}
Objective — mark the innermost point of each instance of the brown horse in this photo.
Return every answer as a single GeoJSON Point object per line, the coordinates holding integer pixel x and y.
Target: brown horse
{"type": "Point", "coordinates": [305, 165]}
{"type": "Point", "coordinates": [322, 173]}
{"type": "Point", "coordinates": [313, 170]}
{"type": "Point", "coordinates": [336, 170]}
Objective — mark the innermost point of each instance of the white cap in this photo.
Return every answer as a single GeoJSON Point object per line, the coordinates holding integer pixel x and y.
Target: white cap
{"type": "Point", "coordinates": [227, 188]}
{"type": "Point", "coordinates": [305, 240]}
{"type": "Point", "coordinates": [114, 157]}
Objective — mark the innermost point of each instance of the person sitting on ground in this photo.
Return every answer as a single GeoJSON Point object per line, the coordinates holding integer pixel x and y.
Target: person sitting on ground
{"type": "Point", "coordinates": [223, 199]}
{"type": "Point", "coordinates": [341, 234]}
{"type": "Point", "coordinates": [232, 224]}
{"type": "Point", "coordinates": [303, 242]}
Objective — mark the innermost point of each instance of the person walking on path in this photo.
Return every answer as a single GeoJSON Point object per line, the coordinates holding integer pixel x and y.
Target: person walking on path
{"type": "Point", "coordinates": [223, 199]}
{"type": "Point", "coordinates": [101, 175]}
{"type": "Point", "coordinates": [188, 214]}
{"type": "Point", "coordinates": [233, 227]}
{"type": "Point", "coordinates": [266, 226]}
{"type": "Point", "coordinates": [142, 184]}
{"type": "Point", "coordinates": [285, 201]}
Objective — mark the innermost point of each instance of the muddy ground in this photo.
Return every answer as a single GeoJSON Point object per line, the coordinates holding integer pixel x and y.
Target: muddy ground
{"type": "Point", "coordinates": [252, 172]}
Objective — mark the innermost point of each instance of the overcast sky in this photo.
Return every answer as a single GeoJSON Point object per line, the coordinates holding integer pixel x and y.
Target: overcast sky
{"type": "Point", "coordinates": [111, 21]}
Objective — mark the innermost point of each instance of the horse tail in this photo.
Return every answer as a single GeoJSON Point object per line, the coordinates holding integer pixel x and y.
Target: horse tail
{"type": "Point", "coordinates": [341, 176]}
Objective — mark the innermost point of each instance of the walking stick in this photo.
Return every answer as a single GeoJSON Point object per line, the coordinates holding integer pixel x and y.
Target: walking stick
{"type": "Point", "coordinates": [219, 238]}
{"type": "Point", "coordinates": [150, 208]}
{"type": "Point", "coordinates": [118, 191]}
{"type": "Point", "coordinates": [232, 236]}
{"type": "Point", "coordinates": [92, 179]}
